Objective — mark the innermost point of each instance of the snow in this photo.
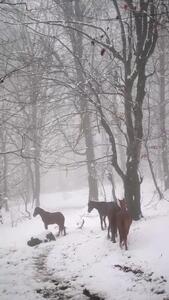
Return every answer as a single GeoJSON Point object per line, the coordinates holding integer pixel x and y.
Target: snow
{"type": "Point", "coordinates": [85, 258]}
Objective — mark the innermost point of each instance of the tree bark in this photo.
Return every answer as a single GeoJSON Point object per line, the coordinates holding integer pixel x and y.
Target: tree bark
{"type": "Point", "coordinates": [92, 177]}
{"type": "Point", "coordinates": [132, 190]}
{"type": "Point", "coordinates": [36, 145]}
{"type": "Point", "coordinates": [162, 107]}
{"type": "Point", "coordinates": [73, 10]}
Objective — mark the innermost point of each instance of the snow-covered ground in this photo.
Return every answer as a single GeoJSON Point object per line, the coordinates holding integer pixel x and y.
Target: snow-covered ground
{"type": "Point", "coordinates": [84, 259]}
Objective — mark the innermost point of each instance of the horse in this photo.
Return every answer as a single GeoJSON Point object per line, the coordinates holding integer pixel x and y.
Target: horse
{"type": "Point", "coordinates": [112, 222]}
{"type": "Point", "coordinates": [123, 221]}
{"type": "Point", "coordinates": [51, 218]}
{"type": "Point", "coordinates": [103, 209]}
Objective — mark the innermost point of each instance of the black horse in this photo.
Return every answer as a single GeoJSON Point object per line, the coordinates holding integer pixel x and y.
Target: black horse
{"type": "Point", "coordinates": [105, 209]}
{"type": "Point", "coordinates": [51, 218]}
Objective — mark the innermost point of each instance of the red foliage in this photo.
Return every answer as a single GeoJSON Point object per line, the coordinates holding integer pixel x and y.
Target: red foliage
{"type": "Point", "coordinates": [103, 51]}
{"type": "Point", "coordinates": [125, 6]}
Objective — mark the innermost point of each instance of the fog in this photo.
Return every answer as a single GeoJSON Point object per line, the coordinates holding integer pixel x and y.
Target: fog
{"type": "Point", "coordinates": [57, 181]}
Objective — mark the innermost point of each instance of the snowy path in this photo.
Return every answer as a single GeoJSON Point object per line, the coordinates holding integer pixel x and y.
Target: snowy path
{"type": "Point", "coordinates": [23, 271]}
{"type": "Point", "coordinates": [93, 262]}
{"type": "Point", "coordinates": [16, 275]}
{"type": "Point", "coordinates": [85, 259]}
{"type": "Point", "coordinates": [27, 278]}
{"type": "Point", "coordinates": [51, 286]}
{"type": "Point", "coordinates": [64, 268]}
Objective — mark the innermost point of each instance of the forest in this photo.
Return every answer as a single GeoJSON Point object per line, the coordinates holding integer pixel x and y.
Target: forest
{"type": "Point", "coordinates": [84, 86]}
{"type": "Point", "coordinates": [84, 99]}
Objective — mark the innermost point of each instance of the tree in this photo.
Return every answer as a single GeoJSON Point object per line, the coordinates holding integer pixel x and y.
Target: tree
{"type": "Point", "coordinates": [74, 11]}
{"type": "Point", "coordinates": [123, 37]}
{"type": "Point", "coordinates": [162, 76]}
{"type": "Point", "coordinates": [137, 26]}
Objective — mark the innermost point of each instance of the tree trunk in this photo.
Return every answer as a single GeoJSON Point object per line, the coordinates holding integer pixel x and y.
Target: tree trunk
{"type": "Point", "coordinates": [133, 111]}
{"type": "Point", "coordinates": [153, 174]}
{"type": "Point", "coordinates": [92, 179]}
{"type": "Point", "coordinates": [5, 185]}
{"type": "Point", "coordinates": [164, 146]}
{"type": "Point", "coordinates": [36, 146]}
{"type": "Point", "coordinates": [132, 190]}
{"type": "Point", "coordinates": [37, 183]}
{"type": "Point", "coordinates": [36, 170]}
{"type": "Point", "coordinates": [74, 10]}
{"type": "Point", "coordinates": [5, 165]}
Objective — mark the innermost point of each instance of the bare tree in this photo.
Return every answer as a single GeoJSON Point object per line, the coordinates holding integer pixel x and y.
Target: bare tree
{"type": "Point", "coordinates": [138, 31]}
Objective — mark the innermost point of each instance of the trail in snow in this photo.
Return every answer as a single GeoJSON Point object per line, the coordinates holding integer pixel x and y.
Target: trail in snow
{"type": "Point", "coordinates": [84, 260]}
{"type": "Point", "coordinates": [51, 286]}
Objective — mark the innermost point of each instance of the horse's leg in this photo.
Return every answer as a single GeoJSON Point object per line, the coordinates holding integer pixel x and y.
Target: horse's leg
{"type": "Point", "coordinates": [113, 231]}
{"type": "Point", "coordinates": [120, 229]}
{"type": "Point", "coordinates": [109, 226]}
{"type": "Point", "coordinates": [113, 236]}
{"type": "Point", "coordinates": [61, 230]}
{"type": "Point", "coordinates": [125, 237]}
{"type": "Point", "coordinates": [125, 244]}
{"type": "Point", "coordinates": [104, 220]}
{"type": "Point", "coordinates": [121, 242]}
{"type": "Point", "coordinates": [113, 226]}
{"type": "Point", "coordinates": [127, 223]}
{"type": "Point", "coordinates": [46, 226]}
{"type": "Point", "coordinates": [108, 232]}
{"type": "Point", "coordinates": [101, 221]}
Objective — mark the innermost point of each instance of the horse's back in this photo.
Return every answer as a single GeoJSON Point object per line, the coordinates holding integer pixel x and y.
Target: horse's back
{"type": "Point", "coordinates": [55, 218]}
{"type": "Point", "coordinates": [112, 209]}
{"type": "Point", "coordinates": [107, 207]}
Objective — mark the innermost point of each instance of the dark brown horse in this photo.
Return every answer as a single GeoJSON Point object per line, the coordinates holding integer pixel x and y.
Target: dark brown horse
{"type": "Point", "coordinates": [51, 218]}
{"type": "Point", "coordinates": [113, 222]}
{"type": "Point", "coordinates": [123, 220]}
{"type": "Point", "coordinates": [103, 209]}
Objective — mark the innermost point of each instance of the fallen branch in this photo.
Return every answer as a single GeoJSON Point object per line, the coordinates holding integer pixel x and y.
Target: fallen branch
{"type": "Point", "coordinates": [81, 226]}
{"type": "Point", "coordinates": [129, 269]}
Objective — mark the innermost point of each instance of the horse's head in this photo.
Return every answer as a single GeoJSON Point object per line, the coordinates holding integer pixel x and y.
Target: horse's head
{"type": "Point", "coordinates": [36, 211]}
{"type": "Point", "coordinates": [90, 206]}
{"type": "Point", "coordinates": [123, 204]}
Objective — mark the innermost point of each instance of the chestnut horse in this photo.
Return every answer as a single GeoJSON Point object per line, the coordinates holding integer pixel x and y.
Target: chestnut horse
{"type": "Point", "coordinates": [123, 221]}
{"type": "Point", "coordinates": [103, 209]}
{"type": "Point", "coordinates": [51, 218]}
